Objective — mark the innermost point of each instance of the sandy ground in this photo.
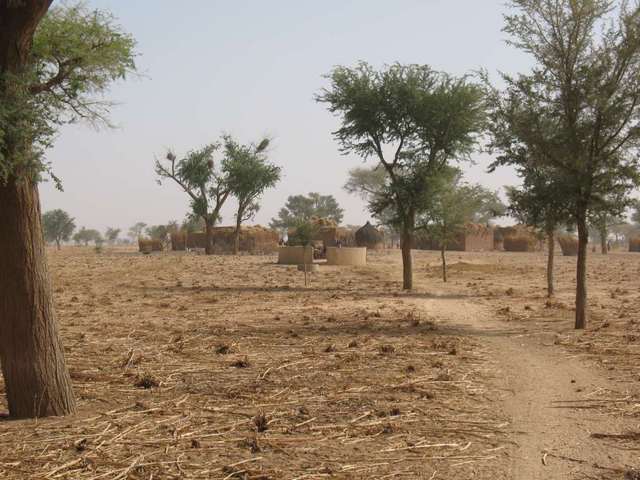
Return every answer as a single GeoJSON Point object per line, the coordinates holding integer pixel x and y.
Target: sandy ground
{"type": "Point", "coordinates": [187, 366]}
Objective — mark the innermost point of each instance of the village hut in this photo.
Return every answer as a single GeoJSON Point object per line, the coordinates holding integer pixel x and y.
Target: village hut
{"type": "Point", "coordinates": [370, 237]}
{"type": "Point", "coordinates": [253, 240]}
{"type": "Point", "coordinates": [146, 245]}
{"type": "Point", "coordinates": [474, 238]}
{"type": "Point", "coordinates": [517, 238]}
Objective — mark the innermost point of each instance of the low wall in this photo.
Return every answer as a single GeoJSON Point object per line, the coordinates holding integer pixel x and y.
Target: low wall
{"type": "Point", "coordinates": [479, 240]}
{"type": "Point", "coordinates": [346, 256]}
{"type": "Point", "coordinates": [295, 255]}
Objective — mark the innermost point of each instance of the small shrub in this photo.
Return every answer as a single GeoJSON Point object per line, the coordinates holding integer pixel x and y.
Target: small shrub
{"type": "Point", "coordinates": [387, 349]}
{"type": "Point", "coordinates": [260, 422]}
{"type": "Point", "coordinates": [241, 363]}
{"type": "Point", "coordinates": [146, 380]}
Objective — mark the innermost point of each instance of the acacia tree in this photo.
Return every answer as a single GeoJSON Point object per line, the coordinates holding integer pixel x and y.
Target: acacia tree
{"type": "Point", "coordinates": [112, 234]}
{"type": "Point", "coordinates": [86, 235]}
{"type": "Point", "coordinates": [53, 70]}
{"type": "Point", "coordinates": [602, 221]}
{"type": "Point", "coordinates": [369, 184]}
{"type": "Point", "coordinates": [577, 111]}
{"type": "Point", "coordinates": [135, 231]}
{"type": "Point", "coordinates": [301, 208]}
{"type": "Point", "coordinates": [58, 226]}
{"type": "Point", "coordinates": [204, 183]}
{"type": "Point", "coordinates": [413, 121]}
{"type": "Point", "coordinates": [540, 203]}
{"type": "Point", "coordinates": [454, 204]}
{"type": "Point", "coordinates": [248, 176]}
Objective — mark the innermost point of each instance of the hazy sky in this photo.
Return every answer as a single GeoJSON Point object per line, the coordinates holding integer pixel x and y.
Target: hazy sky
{"type": "Point", "coordinates": [251, 68]}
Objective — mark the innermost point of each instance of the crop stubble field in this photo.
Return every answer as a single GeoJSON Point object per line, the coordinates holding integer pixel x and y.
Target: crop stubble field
{"type": "Point", "coordinates": [188, 366]}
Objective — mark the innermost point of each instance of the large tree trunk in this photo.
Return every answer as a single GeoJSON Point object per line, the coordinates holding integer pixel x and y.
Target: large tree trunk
{"type": "Point", "coordinates": [551, 251]}
{"type": "Point", "coordinates": [31, 353]}
{"type": "Point", "coordinates": [443, 250]}
{"type": "Point", "coordinates": [36, 378]}
{"type": "Point", "coordinates": [407, 261]}
{"type": "Point", "coordinates": [581, 271]}
{"type": "Point", "coordinates": [208, 247]}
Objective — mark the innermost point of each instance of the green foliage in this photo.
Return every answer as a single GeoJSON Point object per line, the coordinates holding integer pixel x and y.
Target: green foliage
{"type": "Point", "coordinates": [136, 230]}
{"type": "Point", "coordinates": [303, 234]}
{"type": "Point", "coordinates": [85, 236]}
{"type": "Point", "coordinates": [421, 111]}
{"type": "Point", "coordinates": [299, 209]}
{"type": "Point", "coordinates": [541, 201]}
{"type": "Point", "coordinates": [58, 226]}
{"type": "Point", "coordinates": [248, 175]}
{"type": "Point", "coordinates": [370, 185]}
{"type": "Point", "coordinates": [158, 232]}
{"type": "Point", "coordinates": [76, 54]}
{"type": "Point", "coordinates": [112, 234]}
{"type": "Point", "coordinates": [575, 116]}
{"type": "Point", "coordinates": [192, 223]}
{"type": "Point", "coordinates": [454, 204]}
{"type": "Point", "coordinates": [413, 121]}
{"type": "Point", "coordinates": [200, 178]}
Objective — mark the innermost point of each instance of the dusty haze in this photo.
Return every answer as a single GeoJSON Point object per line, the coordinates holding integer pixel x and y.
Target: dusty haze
{"type": "Point", "coordinates": [250, 69]}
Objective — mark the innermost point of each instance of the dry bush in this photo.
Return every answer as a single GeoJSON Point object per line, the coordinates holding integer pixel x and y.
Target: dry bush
{"type": "Point", "coordinates": [634, 244]}
{"type": "Point", "coordinates": [568, 245]}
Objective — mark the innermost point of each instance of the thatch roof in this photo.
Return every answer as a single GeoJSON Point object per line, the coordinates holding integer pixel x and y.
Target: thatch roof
{"type": "Point", "coordinates": [369, 234]}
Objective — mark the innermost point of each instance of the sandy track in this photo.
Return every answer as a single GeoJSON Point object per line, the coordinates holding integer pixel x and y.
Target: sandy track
{"type": "Point", "coordinates": [551, 398]}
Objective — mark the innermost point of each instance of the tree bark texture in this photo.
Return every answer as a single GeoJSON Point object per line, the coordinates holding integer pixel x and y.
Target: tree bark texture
{"type": "Point", "coordinates": [551, 251]}
{"type": "Point", "coordinates": [33, 364]}
{"type": "Point", "coordinates": [581, 272]}
{"type": "Point", "coordinates": [31, 354]}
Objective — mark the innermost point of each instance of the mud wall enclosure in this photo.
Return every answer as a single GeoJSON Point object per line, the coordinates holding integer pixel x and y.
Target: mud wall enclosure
{"type": "Point", "coordinates": [295, 255]}
{"type": "Point", "coordinates": [346, 256]}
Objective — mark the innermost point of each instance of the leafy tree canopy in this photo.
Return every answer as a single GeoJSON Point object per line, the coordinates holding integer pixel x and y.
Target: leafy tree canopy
{"type": "Point", "coordinates": [248, 175]}
{"type": "Point", "coordinates": [112, 234]}
{"type": "Point", "coordinates": [135, 231]}
{"type": "Point", "coordinates": [58, 226]}
{"type": "Point", "coordinates": [301, 208]}
{"type": "Point", "coordinates": [85, 235]}
{"type": "Point", "coordinates": [200, 178]}
{"type": "Point", "coordinates": [455, 203]}
{"type": "Point", "coordinates": [76, 54]}
{"type": "Point", "coordinates": [413, 120]}
{"type": "Point", "coordinates": [158, 232]}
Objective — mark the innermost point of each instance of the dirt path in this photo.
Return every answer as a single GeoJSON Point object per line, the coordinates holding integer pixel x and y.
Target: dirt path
{"type": "Point", "coordinates": [542, 386]}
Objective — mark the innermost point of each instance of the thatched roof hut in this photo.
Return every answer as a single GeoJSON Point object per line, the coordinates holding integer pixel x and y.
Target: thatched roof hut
{"type": "Point", "coordinates": [370, 237]}
{"type": "Point", "coordinates": [253, 239]}
{"type": "Point", "coordinates": [516, 238]}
